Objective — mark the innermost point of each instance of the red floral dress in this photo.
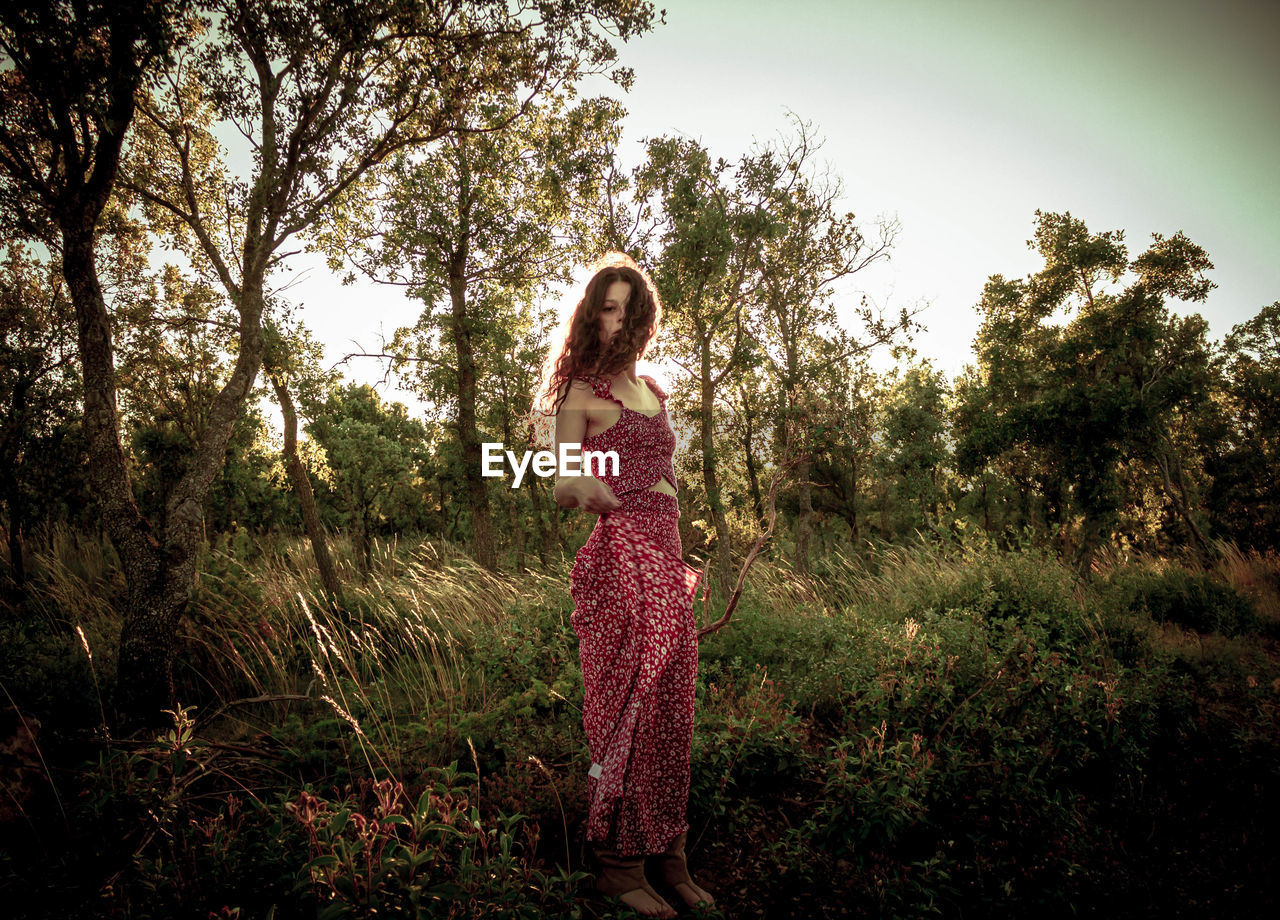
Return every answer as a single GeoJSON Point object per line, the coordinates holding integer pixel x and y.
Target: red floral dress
{"type": "Point", "coordinates": [637, 641]}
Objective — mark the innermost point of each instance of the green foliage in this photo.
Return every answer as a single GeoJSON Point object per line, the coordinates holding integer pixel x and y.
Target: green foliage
{"type": "Point", "coordinates": [1081, 407]}
{"type": "Point", "coordinates": [983, 719]}
{"type": "Point", "coordinates": [41, 477]}
{"type": "Point", "coordinates": [436, 858]}
{"type": "Point", "coordinates": [711, 225]}
{"type": "Point", "coordinates": [477, 230]}
{"type": "Point", "coordinates": [914, 455]}
{"type": "Point", "coordinates": [1243, 438]}
{"type": "Point", "coordinates": [375, 457]}
{"type": "Point", "coordinates": [44, 665]}
{"type": "Point", "coordinates": [530, 668]}
{"type": "Point", "coordinates": [947, 728]}
{"type": "Point", "coordinates": [807, 654]}
{"type": "Point", "coordinates": [746, 740]}
{"type": "Point", "coordinates": [179, 842]}
{"type": "Point", "coordinates": [1194, 600]}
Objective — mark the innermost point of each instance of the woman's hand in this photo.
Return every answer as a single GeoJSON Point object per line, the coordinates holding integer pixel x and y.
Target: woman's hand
{"type": "Point", "coordinates": [587, 493]}
{"type": "Point", "coordinates": [580, 491]}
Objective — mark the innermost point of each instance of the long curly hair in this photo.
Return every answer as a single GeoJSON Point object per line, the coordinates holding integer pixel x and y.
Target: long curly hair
{"type": "Point", "coordinates": [581, 353]}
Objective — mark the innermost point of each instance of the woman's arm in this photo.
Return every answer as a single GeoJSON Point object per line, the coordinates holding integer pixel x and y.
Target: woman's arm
{"type": "Point", "coordinates": [583, 491]}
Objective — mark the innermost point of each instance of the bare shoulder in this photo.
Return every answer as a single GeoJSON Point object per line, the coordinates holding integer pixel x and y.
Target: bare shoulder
{"type": "Point", "coordinates": [653, 382]}
{"type": "Point", "coordinates": [580, 394]}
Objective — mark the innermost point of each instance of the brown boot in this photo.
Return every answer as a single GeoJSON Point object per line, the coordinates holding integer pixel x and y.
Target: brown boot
{"type": "Point", "coordinates": [675, 872]}
{"type": "Point", "coordinates": [623, 878]}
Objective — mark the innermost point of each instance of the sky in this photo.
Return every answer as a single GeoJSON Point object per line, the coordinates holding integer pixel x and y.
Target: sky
{"type": "Point", "coordinates": [960, 120]}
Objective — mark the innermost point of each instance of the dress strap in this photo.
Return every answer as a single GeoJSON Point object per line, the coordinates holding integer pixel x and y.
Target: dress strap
{"type": "Point", "coordinates": [603, 388]}
{"type": "Point", "coordinates": [600, 385]}
{"type": "Point", "coordinates": [657, 390]}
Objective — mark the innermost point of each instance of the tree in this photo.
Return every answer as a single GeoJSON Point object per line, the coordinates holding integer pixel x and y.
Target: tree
{"type": "Point", "coordinates": [812, 247]}
{"type": "Point", "coordinates": [914, 425]}
{"type": "Point", "coordinates": [170, 366]}
{"type": "Point", "coordinates": [705, 223]}
{"type": "Point", "coordinates": [371, 451]}
{"type": "Point", "coordinates": [1114, 384]}
{"type": "Point", "coordinates": [844, 438]}
{"type": "Point", "coordinates": [291, 359]}
{"type": "Point", "coordinates": [69, 80]}
{"type": "Point", "coordinates": [322, 91]}
{"type": "Point", "coordinates": [1241, 436]}
{"type": "Point", "coordinates": [515, 355]}
{"type": "Point", "coordinates": [471, 229]}
{"type": "Point", "coordinates": [748, 403]}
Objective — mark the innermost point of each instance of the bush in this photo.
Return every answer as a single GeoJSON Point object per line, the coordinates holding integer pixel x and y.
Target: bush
{"type": "Point", "coordinates": [438, 858]}
{"type": "Point", "coordinates": [942, 730]}
{"type": "Point", "coordinates": [808, 654]}
{"type": "Point", "coordinates": [1189, 599]}
{"type": "Point", "coordinates": [746, 741]}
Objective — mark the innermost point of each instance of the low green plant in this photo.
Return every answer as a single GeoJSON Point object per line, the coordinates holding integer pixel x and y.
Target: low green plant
{"type": "Point", "coordinates": [747, 740]}
{"type": "Point", "coordinates": [437, 858]}
{"type": "Point", "coordinates": [177, 840]}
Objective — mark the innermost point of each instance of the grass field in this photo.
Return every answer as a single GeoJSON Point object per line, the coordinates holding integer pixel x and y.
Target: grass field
{"type": "Point", "coordinates": [951, 731]}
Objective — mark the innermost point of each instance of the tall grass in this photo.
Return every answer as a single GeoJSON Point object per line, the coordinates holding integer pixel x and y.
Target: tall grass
{"type": "Point", "coordinates": [396, 647]}
{"type": "Point", "coordinates": [845, 719]}
{"type": "Point", "coordinates": [1253, 574]}
{"type": "Point", "coordinates": [261, 628]}
{"type": "Point", "coordinates": [75, 577]}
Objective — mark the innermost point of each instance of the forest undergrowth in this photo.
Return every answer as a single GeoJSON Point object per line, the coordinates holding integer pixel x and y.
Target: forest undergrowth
{"type": "Point", "coordinates": [945, 729]}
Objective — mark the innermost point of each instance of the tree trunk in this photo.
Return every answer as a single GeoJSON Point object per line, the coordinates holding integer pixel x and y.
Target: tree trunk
{"type": "Point", "coordinates": [363, 542]}
{"type": "Point", "coordinates": [73, 175]}
{"type": "Point", "coordinates": [1178, 497]}
{"type": "Point", "coordinates": [468, 436]}
{"type": "Point", "coordinates": [1025, 507]}
{"type": "Point", "coordinates": [886, 532]}
{"type": "Point", "coordinates": [15, 428]}
{"type": "Point", "coordinates": [557, 526]}
{"type": "Point", "coordinates": [753, 477]}
{"type": "Point", "coordinates": [163, 586]}
{"type": "Point", "coordinates": [1090, 540]}
{"type": "Point", "coordinates": [148, 636]}
{"type": "Point", "coordinates": [454, 531]}
{"type": "Point", "coordinates": [849, 510]}
{"type": "Point", "coordinates": [13, 504]}
{"type": "Point", "coordinates": [544, 535]}
{"type": "Point", "coordinates": [518, 532]}
{"type": "Point", "coordinates": [306, 497]}
{"type": "Point", "coordinates": [710, 478]}
{"type": "Point", "coordinates": [804, 522]}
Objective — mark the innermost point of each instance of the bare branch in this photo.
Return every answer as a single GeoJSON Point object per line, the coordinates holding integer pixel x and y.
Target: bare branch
{"type": "Point", "coordinates": [779, 475]}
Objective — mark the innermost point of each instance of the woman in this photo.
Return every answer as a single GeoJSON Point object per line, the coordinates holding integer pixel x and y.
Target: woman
{"type": "Point", "coordinates": [632, 592]}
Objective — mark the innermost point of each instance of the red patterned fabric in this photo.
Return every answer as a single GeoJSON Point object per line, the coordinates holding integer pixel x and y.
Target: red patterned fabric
{"type": "Point", "coordinates": [637, 641]}
{"type": "Point", "coordinates": [645, 444]}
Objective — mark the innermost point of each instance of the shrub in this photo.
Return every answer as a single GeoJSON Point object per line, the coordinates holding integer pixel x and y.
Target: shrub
{"type": "Point", "coordinates": [160, 814]}
{"type": "Point", "coordinates": [438, 858]}
{"type": "Point", "coordinates": [1175, 595]}
{"type": "Point", "coordinates": [745, 741]}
